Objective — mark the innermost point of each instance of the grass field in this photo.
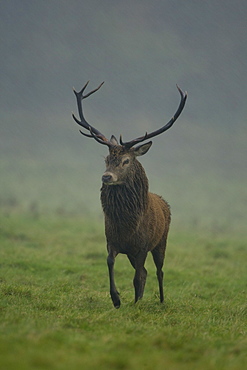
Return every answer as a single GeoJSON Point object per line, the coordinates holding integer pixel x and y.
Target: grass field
{"type": "Point", "coordinates": [56, 312]}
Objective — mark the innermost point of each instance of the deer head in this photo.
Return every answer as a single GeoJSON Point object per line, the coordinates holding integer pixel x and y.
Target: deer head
{"type": "Point", "coordinates": [121, 162]}
{"type": "Point", "coordinates": [122, 155]}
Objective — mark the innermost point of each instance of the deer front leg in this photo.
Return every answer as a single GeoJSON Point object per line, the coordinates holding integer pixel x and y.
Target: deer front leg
{"type": "Point", "coordinates": [140, 275]}
{"type": "Point", "coordinates": [113, 290]}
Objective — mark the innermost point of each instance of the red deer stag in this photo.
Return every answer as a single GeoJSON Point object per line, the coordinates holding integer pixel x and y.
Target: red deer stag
{"type": "Point", "coordinates": [136, 221]}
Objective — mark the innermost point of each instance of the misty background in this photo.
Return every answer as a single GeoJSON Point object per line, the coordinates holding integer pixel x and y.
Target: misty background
{"type": "Point", "coordinates": [141, 49]}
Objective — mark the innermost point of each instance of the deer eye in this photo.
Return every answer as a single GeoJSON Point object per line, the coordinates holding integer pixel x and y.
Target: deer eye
{"type": "Point", "coordinates": [126, 161]}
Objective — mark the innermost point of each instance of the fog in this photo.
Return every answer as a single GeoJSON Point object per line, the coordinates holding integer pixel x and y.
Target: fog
{"type": "Point", "coordinates": [141, 49]}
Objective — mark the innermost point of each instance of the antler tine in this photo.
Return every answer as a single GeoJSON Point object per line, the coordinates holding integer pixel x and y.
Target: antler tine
{"type": "Point", "coordinates": [94, 133]}
{"type": "Point", "coordinates": [91, 92]}
{"type": "Point", "coordinates": [169, 124]}
{"type": "Point", "coordinates": [97, 138]}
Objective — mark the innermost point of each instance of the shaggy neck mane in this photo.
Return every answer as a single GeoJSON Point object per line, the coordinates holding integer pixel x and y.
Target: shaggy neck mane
{"type": "Point", "coordinates": [124, 204]}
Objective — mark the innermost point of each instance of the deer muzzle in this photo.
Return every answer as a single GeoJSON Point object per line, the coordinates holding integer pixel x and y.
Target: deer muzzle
{"type": "Point", "coordinates": [109, 178]}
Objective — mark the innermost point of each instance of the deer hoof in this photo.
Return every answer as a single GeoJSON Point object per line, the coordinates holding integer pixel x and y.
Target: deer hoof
{"type": "Point", "coordinates": [115, 299]}
{"type": "Point", "coordinates": [116, 303]}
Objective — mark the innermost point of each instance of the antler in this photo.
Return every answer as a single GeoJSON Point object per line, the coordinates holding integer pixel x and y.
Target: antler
{"type": "Point", "coordinates": [97, 135]}
{"type": "Point", "coordinates": [129, 144]}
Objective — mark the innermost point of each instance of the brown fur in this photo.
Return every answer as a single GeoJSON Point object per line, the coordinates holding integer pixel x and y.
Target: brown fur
{"type": "Point", "coordinates": [136, 221]}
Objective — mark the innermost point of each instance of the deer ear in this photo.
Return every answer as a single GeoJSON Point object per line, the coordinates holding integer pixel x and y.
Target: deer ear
{"type": "Point", "coordinates": [142, 149]}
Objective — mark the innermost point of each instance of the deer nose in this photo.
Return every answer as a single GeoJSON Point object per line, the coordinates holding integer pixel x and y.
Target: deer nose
{"type": "Point", "coordinates": [106, 178]}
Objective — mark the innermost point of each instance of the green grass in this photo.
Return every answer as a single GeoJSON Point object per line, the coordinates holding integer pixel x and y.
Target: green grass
{"type": "Point", "coordinates": [55, 310]}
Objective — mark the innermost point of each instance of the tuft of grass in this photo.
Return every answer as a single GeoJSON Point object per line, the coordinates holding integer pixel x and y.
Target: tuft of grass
{"type": "Point", "coordinates": [55, 310]}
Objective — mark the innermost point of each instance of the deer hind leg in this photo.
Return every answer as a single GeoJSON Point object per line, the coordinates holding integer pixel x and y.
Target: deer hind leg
{"type": "Point", "coordinates": [140, 274]}
{"type": "Point", "coordinates": [113, 290]}
{"type": "Point", "coordinates": [158, 257]}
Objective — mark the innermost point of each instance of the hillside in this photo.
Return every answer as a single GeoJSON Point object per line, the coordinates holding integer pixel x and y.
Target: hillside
{"type": "Point", "coordinates": [141, 49]}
